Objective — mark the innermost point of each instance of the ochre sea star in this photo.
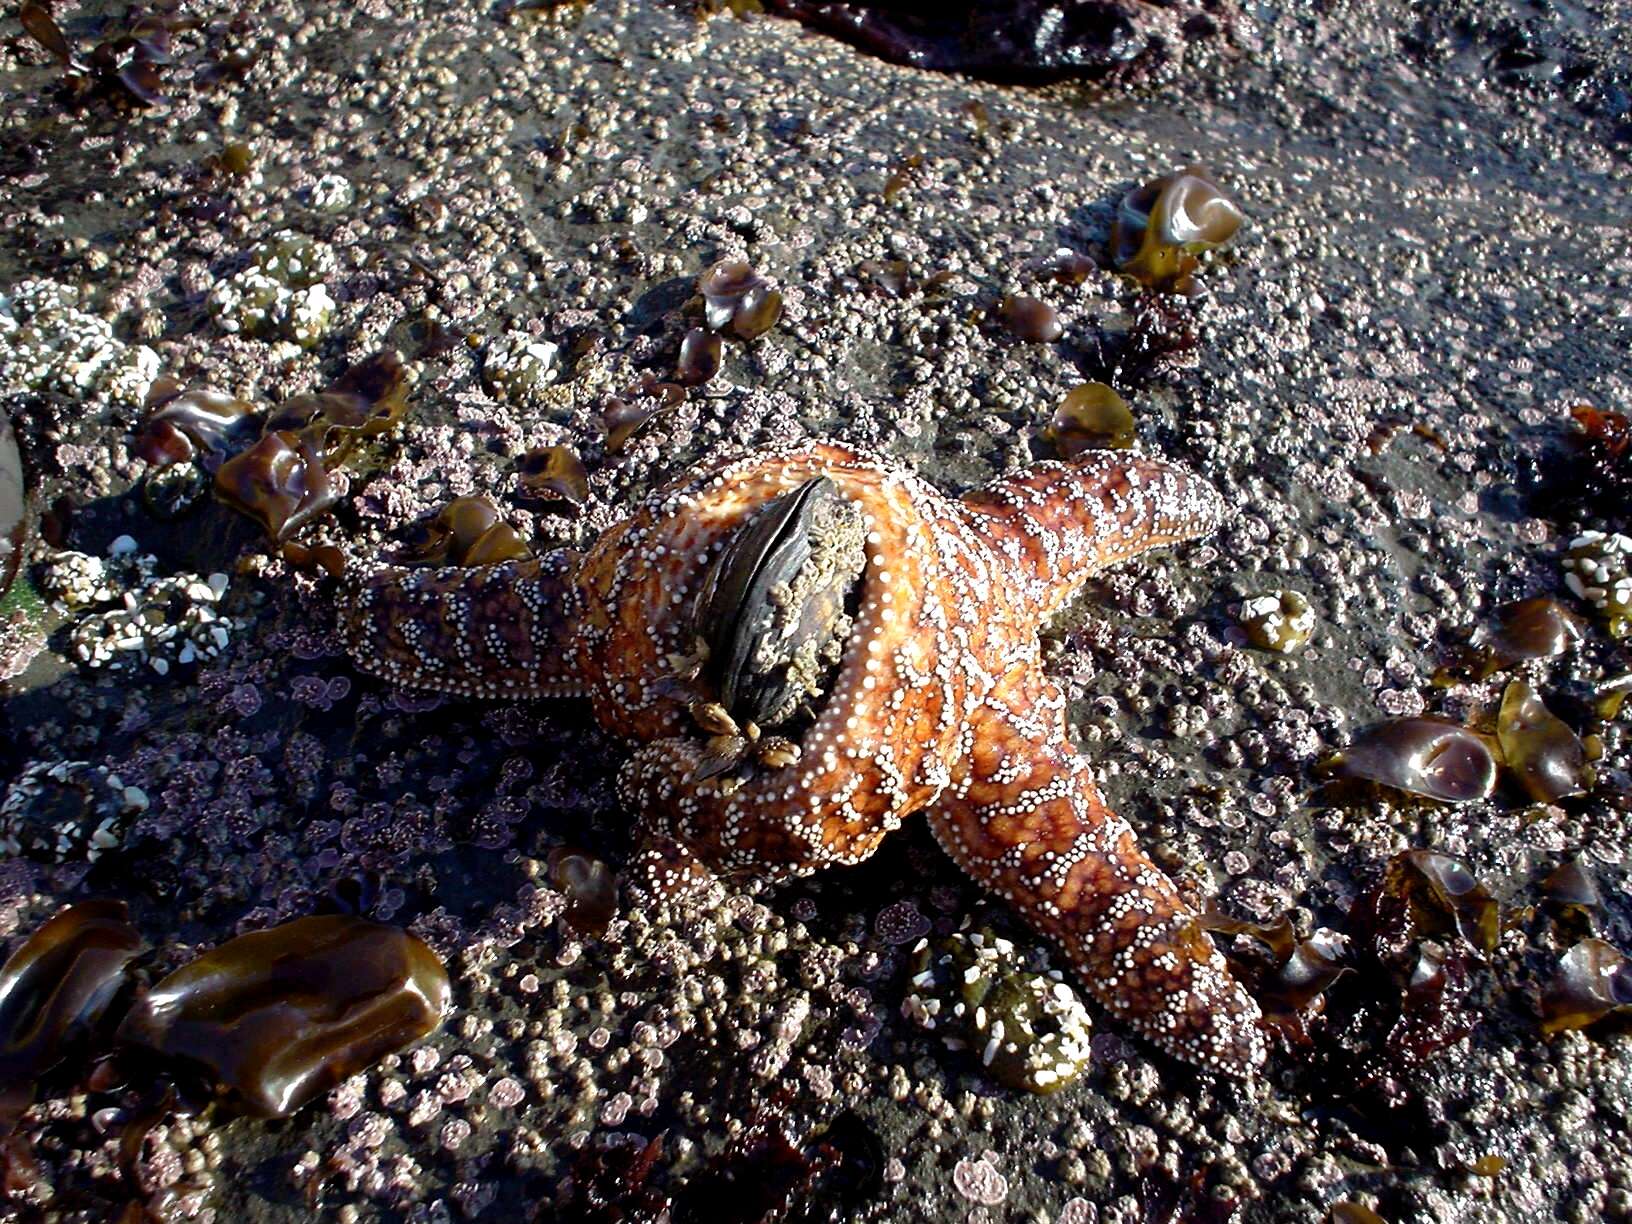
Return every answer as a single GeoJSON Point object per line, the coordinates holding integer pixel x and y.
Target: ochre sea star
{"type": "Point", "coordinates": [940, 705]}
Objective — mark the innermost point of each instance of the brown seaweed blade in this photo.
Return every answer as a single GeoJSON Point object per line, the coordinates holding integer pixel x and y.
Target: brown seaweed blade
{"type": "Point", "coordinates": [276, 1017]}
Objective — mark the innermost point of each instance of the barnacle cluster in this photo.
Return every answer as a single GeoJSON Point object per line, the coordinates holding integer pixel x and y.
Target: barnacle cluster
{"type": "Point", "coordinates": [281, 295]}
{"type": "Point", "coordinates": [66, 812]}
{"type": "Point", "coordinates": [131, 616]}
{"type": "Point", "coordinates": [517, 364]}
{"type": "Point", "coordinates": [49, 342]}
{"type": "Point", "coordinates": [1598, 569]}
{"type": "Point", "coordinates": [1028, 1028]}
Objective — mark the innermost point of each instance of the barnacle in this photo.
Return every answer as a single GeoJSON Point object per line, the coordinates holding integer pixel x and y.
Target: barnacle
{"type": "Point", "coordinates": [1161, 227]}
{"type": "Point", "coordinates": [1091, 417]}
{"type": "Point", "coordinates": [56, 990]}
{"type": "Point", "coordinates": [1028, 1029]}
{"type": "Point", "coordinates": [278, 1016]}
{"type": "Point", "coordinates": [1420, 756]}
{"type": "Point", "coordinates": [1538, 747]}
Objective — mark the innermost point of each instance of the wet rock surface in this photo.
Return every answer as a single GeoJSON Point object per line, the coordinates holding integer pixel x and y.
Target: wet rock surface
{"type": "Point", "coordinates": [1383, 367]}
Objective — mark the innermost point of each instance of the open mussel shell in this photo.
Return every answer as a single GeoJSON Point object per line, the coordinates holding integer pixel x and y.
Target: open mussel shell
{"type": "Point", "coordinates": [1420, 756]}
{"type": "Point", "coordinates": [772, 607]}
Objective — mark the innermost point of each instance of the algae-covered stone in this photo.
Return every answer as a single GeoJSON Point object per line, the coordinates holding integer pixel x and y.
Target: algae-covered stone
{"type": "Point", "coordinates": [1028, 1028]}
{"type": "Point", "coordinates": [1281, 621]}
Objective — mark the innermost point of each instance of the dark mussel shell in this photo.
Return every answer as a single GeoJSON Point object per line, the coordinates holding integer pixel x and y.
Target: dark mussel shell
{"type": "Point", "coordinates": [56, 989]}
{"type": "Point", "coordinates": [773, 606]}
{"type": "Point", "coordinates": [279, 1016]}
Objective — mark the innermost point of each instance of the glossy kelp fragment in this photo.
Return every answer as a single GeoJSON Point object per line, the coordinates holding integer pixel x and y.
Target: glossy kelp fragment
{"type": "Point", "coordinates": [1570, 886]}
{"type": "Point", "coordinates": [739, 300]}
{"type": "Point", "coordinates": [1542, 753]}
{"type": "Point", "coordinates": [1091, 417]}
{"type": "Point", "coordinates": [276, 1017]}
{"type": "Point", "coordinates": [1413, 939]}
{"type": "Point", "coordinates": [554, 473]}
{"type": "Point", "coordinates": [590, 887]}
{"type": "Point", "coordinates": [1161, 227]}
{"type": "Point", "coordinates": [123, 67]}
{"type": "Point", "coordinates": [56, 991]}
{"type": "Point", "coordinates": [1420, 756]}
{"type": "Point", "coordinates": [1349, 1212]}
{"type": "Point", "coordinates": [1030, 319]}
{"type": "Point", "coordinates": [1592, 479]}
{"type": "Point", "coordinates": [1290, 975]}
{"type": "Point", "coordinates": [700, 355]}
{"type": "Point", "coordinates": [1441, 896]}
{"type": "Point", "coordinates": [368, 399]}
{"type": "Point", "coordinates": [283, 482]}
{"type": "Point", "coordinates": [629, 415]}
{"type": "Point", "coordinates": [1594, 978]}
{"type": "Point", "coordinates": [467, 531]}
{"type": "Point", "coordinates": [1281, 621]}
{"type": "Point", "coordinates": [280, 482]}
{"type": "Point", "coordinates": [1538, 628]}
{"type": "Point", "coordinates": [195, 423]}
